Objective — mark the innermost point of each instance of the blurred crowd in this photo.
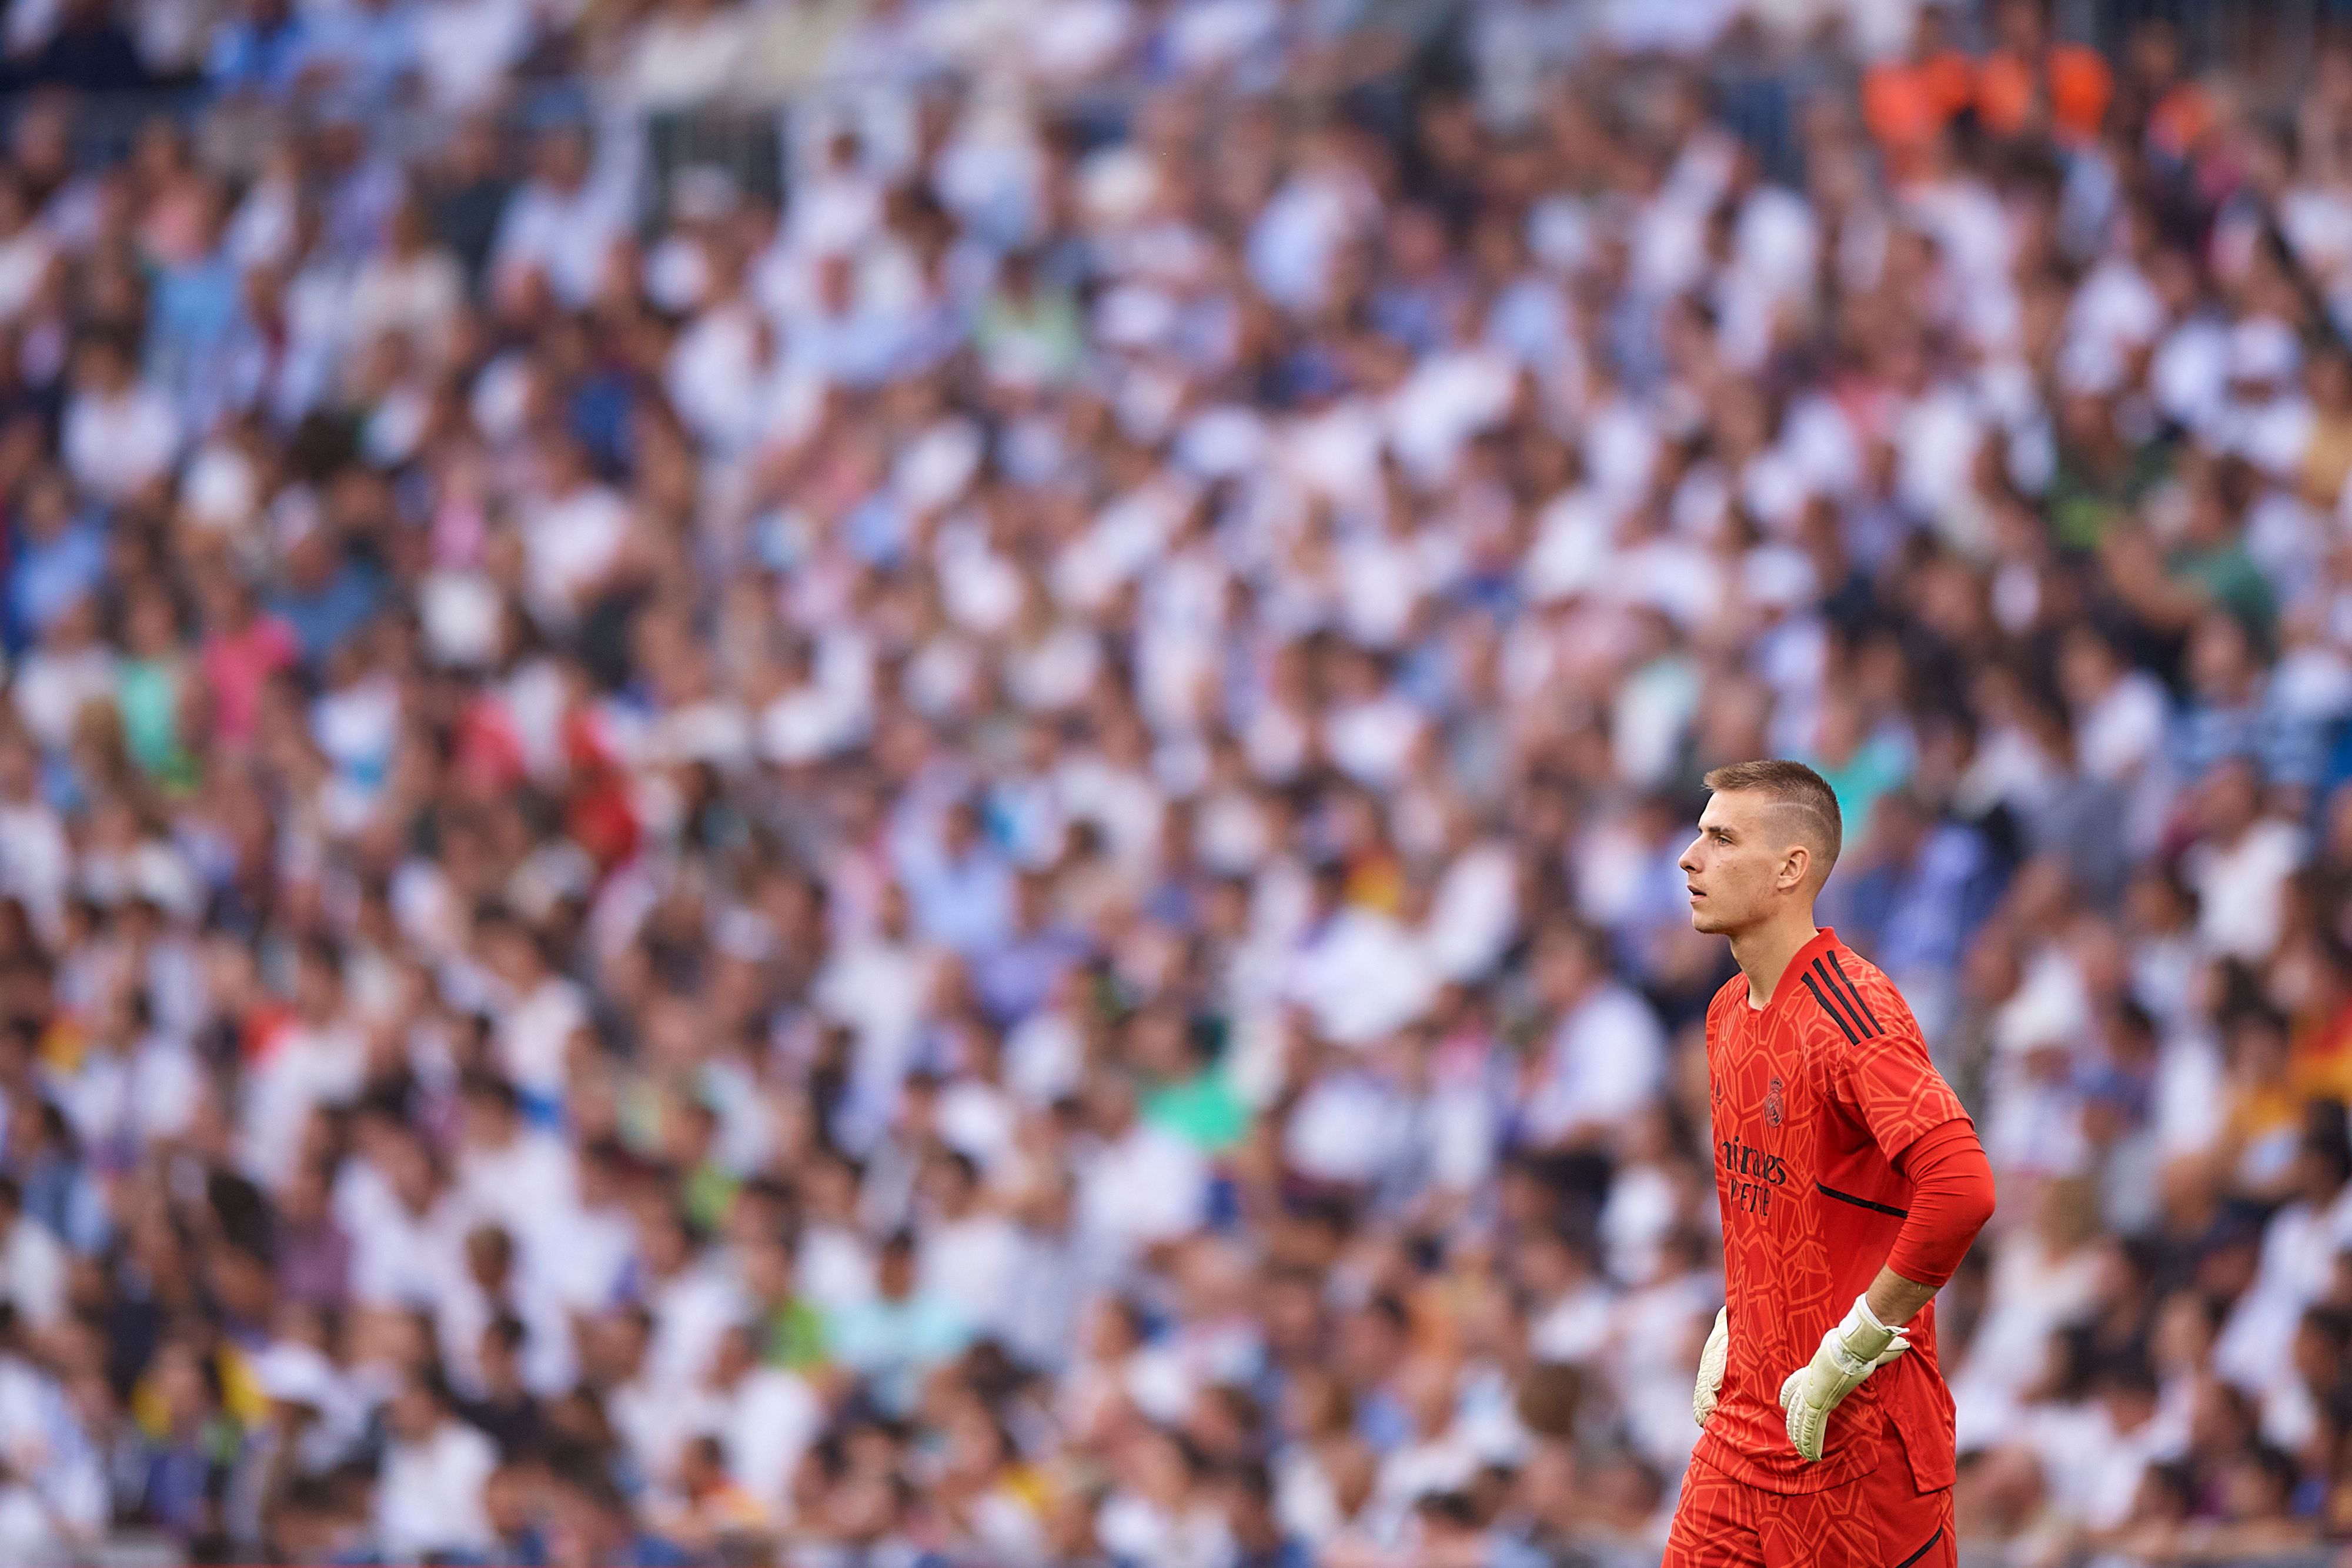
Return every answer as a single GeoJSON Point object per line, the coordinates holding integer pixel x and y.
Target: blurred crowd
{"type": "Point", "coordinates": [940, 830]}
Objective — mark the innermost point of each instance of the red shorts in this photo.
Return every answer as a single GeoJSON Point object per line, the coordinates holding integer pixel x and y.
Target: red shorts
{"type": "Point", "coordinates": [1878, 1520]}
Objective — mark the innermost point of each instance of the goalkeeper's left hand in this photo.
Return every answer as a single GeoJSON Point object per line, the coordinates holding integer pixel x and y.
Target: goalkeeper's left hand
{"type": "Point", "coordinates": [1709, 1386]}
{"type": "Point", "coordinates": [1850, 1352]}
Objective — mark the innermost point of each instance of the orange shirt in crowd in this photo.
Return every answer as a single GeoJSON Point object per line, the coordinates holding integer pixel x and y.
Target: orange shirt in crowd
{"type": "Point", "coordinates": [1907, 104]}
{"type": "Point", "coordinates": [2319, 1057]}
{"type": "Point", "coordinates": [2180, 120]}
{"type": "Point", "coordinates": [2074, 81]}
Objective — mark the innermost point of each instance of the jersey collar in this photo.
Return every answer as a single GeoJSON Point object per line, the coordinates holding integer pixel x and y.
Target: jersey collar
{"type": "Point", "coordinates": [1824, 940]}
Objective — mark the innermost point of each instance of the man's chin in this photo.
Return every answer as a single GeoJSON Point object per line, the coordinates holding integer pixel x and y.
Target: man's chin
{"type": "Point", "coordinates": [1705, 923]}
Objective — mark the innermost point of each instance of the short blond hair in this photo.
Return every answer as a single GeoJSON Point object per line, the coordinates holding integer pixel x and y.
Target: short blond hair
{"type": "Point", "coordinates": [1793, 786]}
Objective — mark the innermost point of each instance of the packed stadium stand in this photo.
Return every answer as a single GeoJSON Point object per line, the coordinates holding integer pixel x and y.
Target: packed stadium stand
{"type": "Point", "coordinates": [895, 783]}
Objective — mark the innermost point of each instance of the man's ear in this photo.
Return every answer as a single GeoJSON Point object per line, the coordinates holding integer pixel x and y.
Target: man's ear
{"type": "Point", "coordinates": [1794, 865]}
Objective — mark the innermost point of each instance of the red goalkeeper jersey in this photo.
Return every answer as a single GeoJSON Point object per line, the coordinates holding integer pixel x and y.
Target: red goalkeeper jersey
{"type": "Point", "coordinates": [1815, 1098]}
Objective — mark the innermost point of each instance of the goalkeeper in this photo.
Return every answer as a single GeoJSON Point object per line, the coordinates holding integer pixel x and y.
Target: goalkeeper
{"type": "Point", "coordinates": [1851, 1183]}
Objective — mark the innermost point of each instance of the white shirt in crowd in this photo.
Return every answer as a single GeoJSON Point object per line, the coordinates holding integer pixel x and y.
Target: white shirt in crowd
{"type": "Point", "coordinates": [1361, 976]}
{"type": "Point", "coordinates": [2241, 888]}
{"type": "Point", "coordinates": [534, 1035]}
{"type": "Point", "coordinates": [1606, 1060]}
{"type": "Point", "coordinates": [33, 1273]}
{"type": "Point", "coordinates": [1148, 1185]}
{"type": "Point", "coordinates": [429, 1494]}
{"type": "Point", "coordinates": [567, 236]}
{"type": "Point", "coordinates": [114, 442]}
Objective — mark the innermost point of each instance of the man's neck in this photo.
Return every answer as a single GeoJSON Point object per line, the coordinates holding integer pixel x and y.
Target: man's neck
{"type": "Point", "coordinates": [1763, 953]}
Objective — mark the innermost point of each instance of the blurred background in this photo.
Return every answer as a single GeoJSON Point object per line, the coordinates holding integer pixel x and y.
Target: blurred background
{"type": "Point", "coordinates": [894, 783]}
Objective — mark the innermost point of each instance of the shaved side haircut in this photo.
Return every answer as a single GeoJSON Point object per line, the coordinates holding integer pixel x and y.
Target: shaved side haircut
{"type": "Point", "coordinates": [1794, 789]}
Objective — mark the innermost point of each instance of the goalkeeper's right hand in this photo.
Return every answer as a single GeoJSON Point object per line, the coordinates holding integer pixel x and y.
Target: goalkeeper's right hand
{"type": "Point", "coordinates": [1850, 1352]}
{"type": "Point", "coordinates": [1710, 1366]}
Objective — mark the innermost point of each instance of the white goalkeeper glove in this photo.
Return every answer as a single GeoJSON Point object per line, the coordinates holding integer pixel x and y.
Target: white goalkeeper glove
{"type": "Point", "coordinates": [1710, 1366]}
{"type": "Point", "coordinates": [1850, 1352]}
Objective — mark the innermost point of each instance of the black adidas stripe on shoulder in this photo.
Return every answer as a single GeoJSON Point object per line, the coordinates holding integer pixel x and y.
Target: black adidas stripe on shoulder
{"type": "Point", "coordinates": [1854, 992]}
{"type": "Point", "coordinates": [1836, 1017]}
{"type": "Point", "coordinates": [1852, 1016]}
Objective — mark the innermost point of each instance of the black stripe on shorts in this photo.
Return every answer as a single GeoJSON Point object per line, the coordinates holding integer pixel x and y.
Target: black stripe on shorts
{"type": "Point", "coordinates": [1924, 1549]}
